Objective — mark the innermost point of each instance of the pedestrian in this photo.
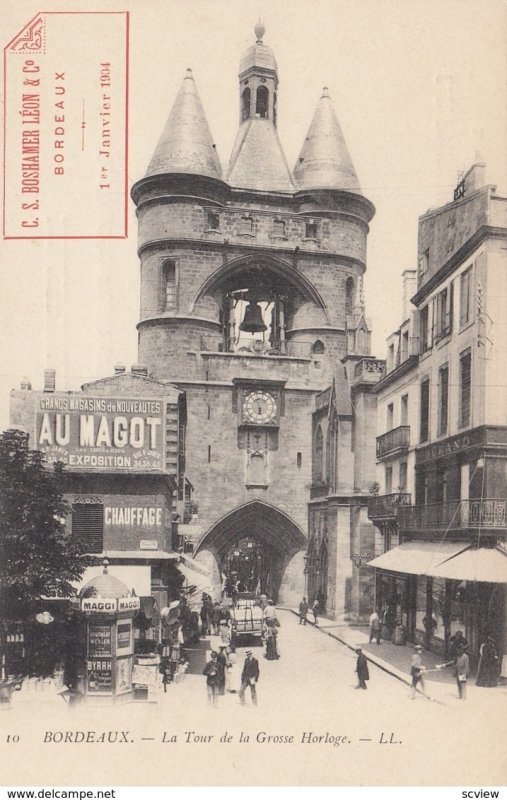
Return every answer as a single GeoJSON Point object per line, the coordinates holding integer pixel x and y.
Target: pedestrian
{"type": "Point", "coordinates": [270, 615]}
{"type": "Point", "coordinates": [487, 673]}
{"type": "Point", "coordinates": [216, 616]}
{"type": "Point", "coordinates": [223, 660]}
{"type": "Point", "coordinates": [390, 621]}
{"type": "Point", "coordinates": [457, 643]}
{"type": "Point", "coordinates": [303, 611]}
{"type": "Point", "coordinates": [213, 670]}
{"type": "Point", "coordinates": [271, 648]}
{"type": "Point", "coordinates": [204, 616]}
{"type": "Point", "coordinates": [462, 672]}
{"type": "Point", "coordinates": [315, 611]}
{"type": "Point", "coordinates": [249, 678]}
{"type": "Point", "coordinates": [224, 630]}
{"type": "Point", "coordinates": [375, 627]}
{"type": "Point", "coordinates": [363, 674]}
{"type": "Point", "coordinates": [166, 676]}
{"type": "Point", "coordinates": [416, 670]}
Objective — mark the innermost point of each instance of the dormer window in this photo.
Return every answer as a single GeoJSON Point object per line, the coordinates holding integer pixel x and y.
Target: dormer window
{"type": "Point", "coordinates": [213, 221]}
{"type": "Point", "coordinates": [311, 230]}
{"type": "Point", "coordinates": [246, 226]}
{"type": "Point", "coordinates": [278, 229]}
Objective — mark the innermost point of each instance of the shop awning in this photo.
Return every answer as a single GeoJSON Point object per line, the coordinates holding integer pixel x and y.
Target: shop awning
{"type": "Point", "coordinates": [137, 555]}
{"type": "Point", "coordinates": [134, 577]}
{"type": "Point", "coordinates": [195, 578]}
{"type": "Point", "coordinates": [483, 564]}
{"type": "Point", "coordinates": [195, 565]}
{"type": "Point", "coordinates": [416, 558]}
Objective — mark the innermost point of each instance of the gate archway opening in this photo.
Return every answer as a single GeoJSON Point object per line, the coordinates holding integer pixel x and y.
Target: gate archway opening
{"type": "Point", "coordinates": [264, 548]}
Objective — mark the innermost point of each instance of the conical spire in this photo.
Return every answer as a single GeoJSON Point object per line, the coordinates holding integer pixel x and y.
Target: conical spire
{"type": "Point", "coordinates": [186, 144]}
{"type": "Point", "coordinates": [257, 160]}
{"type": "Point", "coordinates": [324, 161]}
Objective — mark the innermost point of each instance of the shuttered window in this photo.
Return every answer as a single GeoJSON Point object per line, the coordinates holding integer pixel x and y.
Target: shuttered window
{"type": "Point", "coordinates": [424, 411]}
{"type": "Point", "coordinates": [465, 383]}
{"type": "Point", "coordinates": [88, 525]}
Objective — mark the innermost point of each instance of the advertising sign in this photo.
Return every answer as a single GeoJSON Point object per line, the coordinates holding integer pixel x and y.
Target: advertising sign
{"type": "Point", "coordinates": [124, 635]}
{"type": "Point", "coordinates": [100, 676]}
{"type": "Point", "coordinates": [123, 675]}
{"type": "Point", "coordinates": [111, 434]}
{"type": "Point", "coordinates": [99, 640]}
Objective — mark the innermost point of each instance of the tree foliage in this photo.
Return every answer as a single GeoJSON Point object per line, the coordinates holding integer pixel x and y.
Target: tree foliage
{"type": "Point", "coordinates": [39, 557]}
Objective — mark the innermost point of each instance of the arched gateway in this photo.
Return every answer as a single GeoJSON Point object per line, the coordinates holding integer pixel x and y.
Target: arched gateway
{"type": "Point", "coordinates": [260, 544]}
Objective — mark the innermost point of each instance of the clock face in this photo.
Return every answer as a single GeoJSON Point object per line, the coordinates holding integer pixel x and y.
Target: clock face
{"type": "Point", "coordinates": [259, 407]}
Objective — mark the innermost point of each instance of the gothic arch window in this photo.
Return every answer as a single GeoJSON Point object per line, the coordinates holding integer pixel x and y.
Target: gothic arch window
{"type": "Point", "coordinates": [168, 286]}
{"type": "Point", "coordinates": [318, 455]}
{"type": "Point", "coordinates": [318, 348]}
{"type": "Point", "coordinates": [245, 104]}
{"type": "Point", "coordinates": [331, 456]}
{"type": "Point", "coordinates": [262, 102]}
{"type": "Point", "coordinates": [349, 295]}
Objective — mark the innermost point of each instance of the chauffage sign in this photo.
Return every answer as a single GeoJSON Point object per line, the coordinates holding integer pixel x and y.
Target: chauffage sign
{"type": "Point", "coordinates": [105, 433]}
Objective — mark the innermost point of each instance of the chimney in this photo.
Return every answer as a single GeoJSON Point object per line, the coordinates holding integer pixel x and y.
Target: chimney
{"type": "Point", "coordinates": [49, 380]}
{"type": "Point", "coordinates": [408, 282]}
{"type": "Point", "coordinates": [139, 369]}
{"type": "Point", "coordinates": [475, 177]}
{"type": "Point", "coordinates": [119, 368]}
{"type": "Point", "coordinates": [26, 384]}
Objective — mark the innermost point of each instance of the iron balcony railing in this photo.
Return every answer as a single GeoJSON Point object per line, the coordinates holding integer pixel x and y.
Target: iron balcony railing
{"type": "Point", "coordinates": [387, 506]}
{"type": "Point", "coordinates": [488, 513]}
{"type": "Point", "coordinates": [396, 440]}
{"type": "Point", "coordinates": [257, 347]}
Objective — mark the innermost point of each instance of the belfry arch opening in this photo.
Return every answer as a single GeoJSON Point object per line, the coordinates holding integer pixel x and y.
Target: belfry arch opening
{"type": "Point", "coordinates": [259, 299]}
{"type": "Point", "coordinates": [261, 548]}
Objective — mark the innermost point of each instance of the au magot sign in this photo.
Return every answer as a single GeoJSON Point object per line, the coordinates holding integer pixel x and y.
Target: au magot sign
{"type": "Point", "coordinates": [105, 433]}
{"type": "Point", "coordinates": [109, 605]}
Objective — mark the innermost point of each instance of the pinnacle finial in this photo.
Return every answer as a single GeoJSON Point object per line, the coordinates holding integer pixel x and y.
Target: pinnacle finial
{"type": "Point", "coordinates": [189, 74]}
{"type": "Point", "coordinates": [259, 30]}
{"type": "Point", "coordinates": [325, 92]}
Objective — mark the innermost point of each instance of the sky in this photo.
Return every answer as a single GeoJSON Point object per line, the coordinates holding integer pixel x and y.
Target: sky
{"type": "Point", "coordinates": [419, 89]}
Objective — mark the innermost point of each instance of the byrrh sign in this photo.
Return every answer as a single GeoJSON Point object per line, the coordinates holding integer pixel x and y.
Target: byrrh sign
{"type": "Point", "coordinates": [101, 433]}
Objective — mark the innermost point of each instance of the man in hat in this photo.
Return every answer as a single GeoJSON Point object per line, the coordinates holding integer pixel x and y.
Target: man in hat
{"type": "Point", "coordinates": [416, 670]}
{"type": "Point", "coordinates": [249, 677]}
{"type": "Point", "coordinates": [214, 672]}
{"type": "Point", "coordinates": [363, 674]}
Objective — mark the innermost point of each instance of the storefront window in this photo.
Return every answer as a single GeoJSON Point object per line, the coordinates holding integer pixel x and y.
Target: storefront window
{"type": "Point", "coordinates": [457, 606]}
{"type": "Point", "coordinates": [420, 609]}
{"type": "Point", "coordinates": [438, 608]}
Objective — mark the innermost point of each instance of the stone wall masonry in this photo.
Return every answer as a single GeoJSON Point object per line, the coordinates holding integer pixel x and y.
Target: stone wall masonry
{"type": "Point", "coordinates": [335, 233]}
{"type": "Point", "coordinates": [217, 466]}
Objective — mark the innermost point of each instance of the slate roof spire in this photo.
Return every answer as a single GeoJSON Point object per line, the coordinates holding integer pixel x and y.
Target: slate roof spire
{"type": "Point", "coordinates": [324, 161]}
{"type": "Point", "coordinates": [186, 144]}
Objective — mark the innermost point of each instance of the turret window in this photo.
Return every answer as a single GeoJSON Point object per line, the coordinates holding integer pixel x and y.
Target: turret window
{"type": "Point", "coordinates": [169, 286]}
{"type": "Point", "coordinates": [245, 104]}
{"type": "Point", "coordinates": [262, 102]}
{"type": "Point", "coordinates": [349, 295]}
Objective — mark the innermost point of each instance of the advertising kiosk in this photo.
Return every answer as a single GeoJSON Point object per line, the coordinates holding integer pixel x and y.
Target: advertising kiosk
{"type": "Point", "coordinates": [109, 608]}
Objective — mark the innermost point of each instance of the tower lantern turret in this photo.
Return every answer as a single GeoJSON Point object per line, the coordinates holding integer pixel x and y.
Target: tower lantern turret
{"type": "Point", "coordinates": [258, 81]}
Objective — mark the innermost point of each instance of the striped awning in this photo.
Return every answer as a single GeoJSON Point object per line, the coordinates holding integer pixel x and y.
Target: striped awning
{"type": "Point", "coordinates": [417, 558]}
{"type": "Point", "coordinates": [481, 564]}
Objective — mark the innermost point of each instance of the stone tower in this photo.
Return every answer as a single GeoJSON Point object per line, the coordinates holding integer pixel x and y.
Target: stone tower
{"type": "Point", "coordinates": [248, 278]}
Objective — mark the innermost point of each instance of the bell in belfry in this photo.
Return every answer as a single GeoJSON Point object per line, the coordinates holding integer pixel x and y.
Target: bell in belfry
{"type": "Point", "coordinates": [252, 321]}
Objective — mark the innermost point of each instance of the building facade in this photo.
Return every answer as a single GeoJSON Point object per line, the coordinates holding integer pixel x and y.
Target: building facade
{"type": "Point", "coordinates": [250, 304]}
{"type": "Point", "coordinates": [450, 571]}
{"type": "Point", "coordinates": [121, 440]}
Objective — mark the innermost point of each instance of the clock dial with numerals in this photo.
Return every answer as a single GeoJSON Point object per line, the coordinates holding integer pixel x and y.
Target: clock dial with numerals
{"type": "Point", "coordinates": [259, 407]}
